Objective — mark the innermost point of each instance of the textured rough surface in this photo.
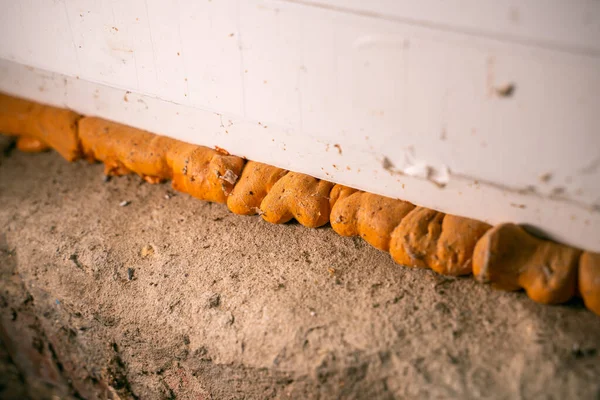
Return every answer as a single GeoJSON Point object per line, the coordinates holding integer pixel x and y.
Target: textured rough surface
{"type": "Point", "coordinates": [510, 259]}
{"type": "Point", "coordinates": [369, 216]}
{"type": "Point", "coordinates": [298, 196]}
{"type": "Point", "coordinates": [414, 239]}
{"type": "Point", "coordinates": [54, 127]}
{"type": "Point", "coordinates": [30, 144]}
{"type": "Point", "coordinates": [170, 297]}
{"type": "Point", "coordinates": [442, 242]}
{"type": "Point", "coordinates": [197, 170]}
{"type": "Point", "coordinates": [589, 280]}
{"type": "Point", "coordinates": [256, 181]}
{"type": "Point", "coordinates": [454, 249]}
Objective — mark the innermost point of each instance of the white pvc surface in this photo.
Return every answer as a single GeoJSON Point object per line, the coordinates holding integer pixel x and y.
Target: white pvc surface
{"type": "Point", "coordinates": [410, 92]}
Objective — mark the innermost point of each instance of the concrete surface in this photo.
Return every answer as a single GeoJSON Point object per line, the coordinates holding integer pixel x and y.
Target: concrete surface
{"type": "Point", "coordinates": [170, 297]}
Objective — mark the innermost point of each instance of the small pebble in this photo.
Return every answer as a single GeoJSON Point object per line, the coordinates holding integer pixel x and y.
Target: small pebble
{"type": "Point", "coordinates": [124, 203]}
{"type": "Point", "coordinates": [579, 352]}
{"type": "Point", "coordinates": [147, 250]}
{"type": "Point", "coordinates": [214, 300]}
{"type": "Point", "coordinates": [130, 272]}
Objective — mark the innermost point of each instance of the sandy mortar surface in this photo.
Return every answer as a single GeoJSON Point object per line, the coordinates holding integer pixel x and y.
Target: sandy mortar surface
{"type": "Point", "coordinates": [121, 289]}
